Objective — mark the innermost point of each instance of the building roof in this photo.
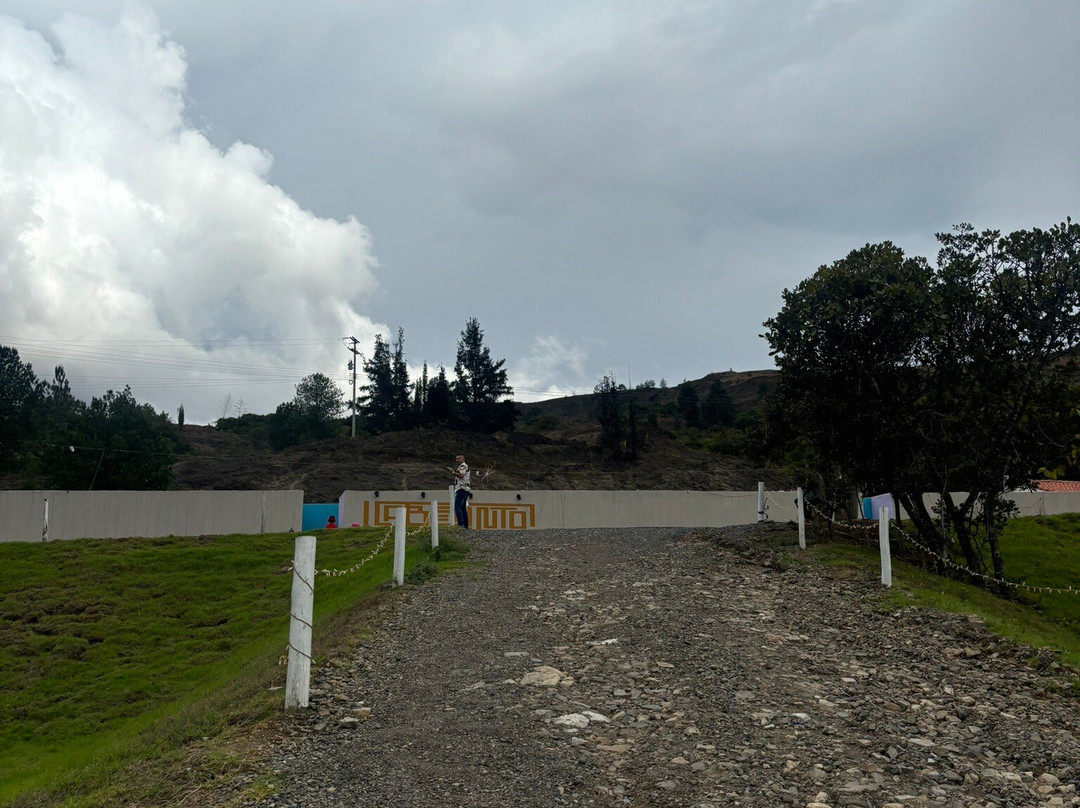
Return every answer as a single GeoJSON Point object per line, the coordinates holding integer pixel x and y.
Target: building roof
{"type": "Point", "coordinates": [1056, 486]}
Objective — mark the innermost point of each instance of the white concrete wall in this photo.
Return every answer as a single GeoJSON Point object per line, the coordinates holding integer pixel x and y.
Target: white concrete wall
{"type": "Point", "coordinates": [1028, 503]}
{"type": "Point", "coordinates": [1046, 503]}
{"type": "Point", "coordinates": [572, 509]}
{"type": "Point", "coordinates": [119, 514]}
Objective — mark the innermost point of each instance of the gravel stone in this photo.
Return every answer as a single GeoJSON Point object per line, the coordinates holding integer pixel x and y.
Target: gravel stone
{"type": "Point", "coordinates": [696, 668]}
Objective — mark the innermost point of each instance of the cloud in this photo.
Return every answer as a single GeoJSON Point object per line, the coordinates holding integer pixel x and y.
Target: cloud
{"type": "Point", "coordinates": [125, 231]}
{"type": "Point", "coordinates": [554, 367]}
{"type": "Point", "coordinates": [838, 116]}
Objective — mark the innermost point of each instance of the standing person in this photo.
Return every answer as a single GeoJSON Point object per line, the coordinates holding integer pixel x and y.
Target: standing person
{"type": "Point", "coordinates": [462, 491]}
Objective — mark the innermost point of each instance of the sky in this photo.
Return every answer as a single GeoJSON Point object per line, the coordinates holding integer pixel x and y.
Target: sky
{"type": "Point", "coordinates": [203, 199]}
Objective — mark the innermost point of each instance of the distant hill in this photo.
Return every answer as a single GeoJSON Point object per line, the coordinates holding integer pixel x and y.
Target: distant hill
{"type": "Point", "coordinates": [554, 447]}
{"type": "Point", "coordinates": [746, 388]}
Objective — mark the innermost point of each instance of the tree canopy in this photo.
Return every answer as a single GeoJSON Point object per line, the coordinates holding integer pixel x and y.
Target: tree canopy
{"type": "Point", "coordinates": [481, 384]}
{"type": "Point", "coordinates": [386, 405]}
{"type": "Point", "coordinates": [906, 378]}
{"type": "Point", "coordinates": [312, 414]}
{"type": "Point", "coordinates": [50, 438]}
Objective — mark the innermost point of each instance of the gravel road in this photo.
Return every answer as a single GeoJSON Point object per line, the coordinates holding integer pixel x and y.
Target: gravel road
{"type": "Point", "coordinates": [664, 667]}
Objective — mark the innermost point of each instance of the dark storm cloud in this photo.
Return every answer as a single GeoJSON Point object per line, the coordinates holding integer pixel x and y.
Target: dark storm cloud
{"type": "Point", "coordinates": [607, 184]}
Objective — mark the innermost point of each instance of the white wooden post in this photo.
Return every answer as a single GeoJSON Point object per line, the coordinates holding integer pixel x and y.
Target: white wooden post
{"type": "Point", "coordinates": [45, 524]}
{"type": "Point", "coordinates": [761, 502]}
{"type": "Point", "coordinates": [399, 546]}
{"type": "Point", "coordinates": [802, 517]}
{"type": "Point", "coordinates": [883, 541]}
{"type": "Point", "coordinates": [298, 675]}
{"type": "Point", "coordinates": [434, 523]}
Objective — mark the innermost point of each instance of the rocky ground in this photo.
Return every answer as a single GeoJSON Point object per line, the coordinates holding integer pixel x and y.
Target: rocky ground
{"type": "Point", "coordinates": [668, 667]}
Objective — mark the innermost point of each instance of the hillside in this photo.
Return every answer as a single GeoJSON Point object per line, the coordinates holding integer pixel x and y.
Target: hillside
{"type": "Point", "coordinates": [552, 448]}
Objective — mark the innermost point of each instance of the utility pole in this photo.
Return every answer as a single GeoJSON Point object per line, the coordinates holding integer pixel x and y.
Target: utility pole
{"type": "Point", "coordinates": [352, 367]}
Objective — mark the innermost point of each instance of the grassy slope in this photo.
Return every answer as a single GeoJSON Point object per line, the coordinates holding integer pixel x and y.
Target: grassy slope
{"type": "Point", "coordinates": [111, 651]}
{"type": "Point", "coordinates": [1039, 551]}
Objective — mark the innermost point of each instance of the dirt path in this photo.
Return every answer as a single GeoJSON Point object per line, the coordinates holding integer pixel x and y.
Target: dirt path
{"type": "Point", "coordinates": [672, 668]}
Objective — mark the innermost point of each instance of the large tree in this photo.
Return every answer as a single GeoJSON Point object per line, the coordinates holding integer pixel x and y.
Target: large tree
{"type": "Point", "coordinates": [481, 384]}
{"type": "Point", "coordinates": [609, 415]}
{"type": "Point", "coordinates": [115, 443]}
{"type": "Point", "coordinates": [321, 403]}
{"type": "Point", "coordinates": [620, 435]}
{"type": "Point", "coordinates": [311, 415]}
{"type": "Point", "coordinates": [386, 404]}
{"type": "Point", "coordinates": [20, 397]}
{"type": "Point", "coordinates": [906, 378]}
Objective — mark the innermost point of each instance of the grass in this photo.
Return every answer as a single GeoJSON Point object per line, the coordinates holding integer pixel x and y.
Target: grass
{"type": "Point", "coordinates": [114, 653]}
{"type": "Point", "coordinates": [1039, 551]}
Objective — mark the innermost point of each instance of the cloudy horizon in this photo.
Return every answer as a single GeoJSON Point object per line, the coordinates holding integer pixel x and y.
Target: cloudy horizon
{"type": "Point", "coordinates": [203, 200]}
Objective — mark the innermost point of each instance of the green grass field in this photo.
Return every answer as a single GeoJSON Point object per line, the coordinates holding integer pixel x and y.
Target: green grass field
{"type": "Point", "coordinates": [118, 651]}
{"type": "Point", "coordinates": [1040, 551]}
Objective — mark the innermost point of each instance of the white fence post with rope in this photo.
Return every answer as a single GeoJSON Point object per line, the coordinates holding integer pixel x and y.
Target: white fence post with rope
{"type": "Point", "coordinates": [761, 502]}
{"type": "Point", "coordinates": [399, 546]}
{"type": "Point", "coordinates": [45, 525]}
{"type": "Point", "coordinates": [883, 544]}
{"type": "Point", "coordinates": [297, 678]}
{"type": "Point", "coordinates": [434, 519]}
{"type": "Point", "coordinates": [802, 517]}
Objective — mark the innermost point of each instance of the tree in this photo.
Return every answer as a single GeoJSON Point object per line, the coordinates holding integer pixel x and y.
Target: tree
{"type": "Point", "coordinates": [481, 383]}
{"type": "Point", "coordinates": [904, 378]}
{"type": "Point", "coordinates": [420, 390]}
{"type": "Point", "coordinates": [609, 414]}
{"type": "Point", "coordinates": [620, 435]}
{"type": "Point", "coordinates": [116, 444]}
{"type": "Point", "coordinates": [320, 403]}
{"type": "Point", "coordinates": [437, 403]}
{"type": "Point", "coordinates": [718, 408]}
{"type": "Point", "coordinates": [20, 396]}
{"type": "Point", "coordinates": [286, 426]}
{"type": "Point", "coordinates": [180, 417]}
{"type": "Point", "coordinates": [633, 433]}
{"type": "Point", "coordinates": [686, 403]}
{"type": "Point", "coordinates": [401, 414]}
{"type": "Point", "coordinates": [311, 415]}
{"type": "Point", "coordinates": [62, 419]}
{"type": "Point", "coordinates": [386, 403]}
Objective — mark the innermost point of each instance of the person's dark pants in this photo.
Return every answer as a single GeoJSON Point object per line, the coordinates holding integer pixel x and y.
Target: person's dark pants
{"type": "Point", "coordinates": [461, 507]}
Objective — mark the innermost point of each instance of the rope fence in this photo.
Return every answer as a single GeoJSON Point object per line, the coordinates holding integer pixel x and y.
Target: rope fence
{"type": "Point", "coordinates": [948, 562]}
{"type": "Point", "coordinates": [298, 648]}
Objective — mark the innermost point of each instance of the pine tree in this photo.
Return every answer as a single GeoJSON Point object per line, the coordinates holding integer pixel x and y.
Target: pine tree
{"type": "Point", "coordinates": [386, 405]}
{"type": "Point", "coordinates": [481, 383]}
{"type": "Point", "coordinates": [437, 403]}
{"type": "Point", "coordinates": [609, 414]}
{"type": "Point", "coordinates": [399, 377]}
{"type": "Point", "coordinates": [419, 397]}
